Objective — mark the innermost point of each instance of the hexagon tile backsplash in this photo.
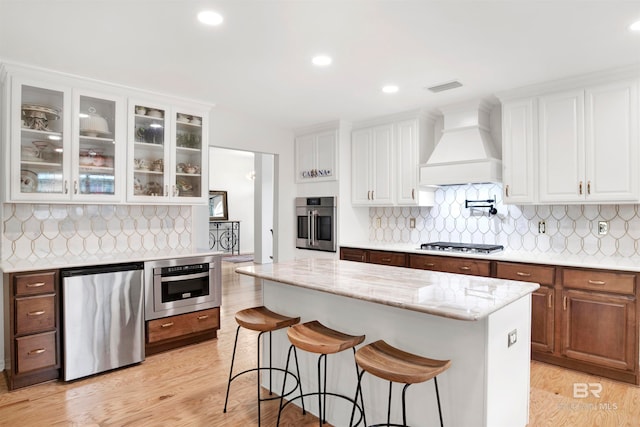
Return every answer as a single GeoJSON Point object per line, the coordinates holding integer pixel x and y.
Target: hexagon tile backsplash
{"type": "Point", "coordinates": [33, 231]}
{"type": "Point", "coordinates": [569, 229]}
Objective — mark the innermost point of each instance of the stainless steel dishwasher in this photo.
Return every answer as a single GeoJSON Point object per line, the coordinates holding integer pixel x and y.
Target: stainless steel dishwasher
{"type": "Point", "coordinates": [103, 318]}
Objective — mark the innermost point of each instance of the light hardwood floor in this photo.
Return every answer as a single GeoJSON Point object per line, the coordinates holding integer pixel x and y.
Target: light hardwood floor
{"type": "Point", "coordinates": [186, 387]}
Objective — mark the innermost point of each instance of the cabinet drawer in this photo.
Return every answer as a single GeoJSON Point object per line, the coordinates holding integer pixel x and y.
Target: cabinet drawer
{"type": "Point", "coordinates": [526, 273]}
{"type": "Point", "coordinates": [451, 265]}
{"type": "Point", "coordinates": [33, 284]}
{"type": "Point", "coordinates": [605, 281]}
{"type": "Point", "coordinates": [35, 314]}
{"type": "Point", "coordinates": [351, 254]}
{"type": "Point", "coordinates": [35, 352]}
{"type": "Point", "coordinates": [388, 258]}
{"type": "Point", "coordinates": [184, 324]}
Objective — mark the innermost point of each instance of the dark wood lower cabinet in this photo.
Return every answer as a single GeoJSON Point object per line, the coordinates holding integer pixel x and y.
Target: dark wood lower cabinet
{"type": "Point", "coordinates": [582, 319]}
{"type": "Point", "coordinates": [176, 331]}
{"type": "Point", "coordinates": [599, 328]}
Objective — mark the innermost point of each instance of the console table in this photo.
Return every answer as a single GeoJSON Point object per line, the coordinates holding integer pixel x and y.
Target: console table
{"type": "Point", "coordinates": [224, 236]}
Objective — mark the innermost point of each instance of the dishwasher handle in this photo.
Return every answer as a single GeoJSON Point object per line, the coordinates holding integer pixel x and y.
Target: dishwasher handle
{"type": "Point", "coordinates": [100, 269]}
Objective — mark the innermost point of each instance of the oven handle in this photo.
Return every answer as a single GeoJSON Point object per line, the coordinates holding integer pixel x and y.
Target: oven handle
{"type": "Point", "coordinates": [183, 277]}
{"type": "Point", "coordinates": [311, 227]}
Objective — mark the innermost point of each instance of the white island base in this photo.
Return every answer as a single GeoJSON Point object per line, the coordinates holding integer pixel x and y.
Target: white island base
{"type": "Point", "coordinates": [486, 385]}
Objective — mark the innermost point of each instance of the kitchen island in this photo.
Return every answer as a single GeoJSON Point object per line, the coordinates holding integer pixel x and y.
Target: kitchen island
{"type": "Point", "coordinates": [481, 324]}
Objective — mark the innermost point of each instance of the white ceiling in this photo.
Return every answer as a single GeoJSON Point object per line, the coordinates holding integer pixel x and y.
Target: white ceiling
{"type": "Point", "coordinates": [258, 61]}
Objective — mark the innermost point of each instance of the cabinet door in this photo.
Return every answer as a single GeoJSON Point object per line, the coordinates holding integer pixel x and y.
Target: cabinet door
{"type": "Point", "coordinates": [397, 259]}
{"type": "Point", "coordinates": [99, 147]}
{"type": "Point", "coordinates": [542, 319]}
{"type": "Point", "coordinates": [611, 140]}
{"type": "Point", "coordinates": [382, 170]}
{"type": "Point", "coordinates": [326, 156]}
{"type": "Point", "coordinates": [353, 254]}
{"type": "Point", "coordinates": [187, 168]}
{"type": "Point", "coordinates": [407, 152]}
{"type": "Point", "coordinates": [148, 152]}
{"type": "Point", "coordinates": [305, 157]}
{"type": "Point", "coordinates": [562, 156]}
{"type": "Point", "coordinates": [599, 328]}
{"type": "Point", "coordinates": [518, 158]}
{"type": "Point", "coordinates": [40, 141]}
{"type": "Point", "coordinates": [361, 159]}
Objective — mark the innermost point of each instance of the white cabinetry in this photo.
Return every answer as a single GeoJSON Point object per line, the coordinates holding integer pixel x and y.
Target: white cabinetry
{"type": "Point", "coordinates": [372, 166]}
{"type": "Point", "coordinates": [518, 150]}
{"type": "Point", "coordinates": [574, 141]}
{"type": "Point", "coordinates": [167, 153]}
{"type": "Point", "coordinates": [589, 144]}
{"type": "Point", "coordinates": [66, 144]}
{"type": "Point", "coordinates": [386, 158]}
{"type": "Point", "coordinates": [316, 157]}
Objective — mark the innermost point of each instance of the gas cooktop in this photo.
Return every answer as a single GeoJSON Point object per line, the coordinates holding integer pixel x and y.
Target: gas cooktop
{"type": "Point", "coordinates": [461, 247]}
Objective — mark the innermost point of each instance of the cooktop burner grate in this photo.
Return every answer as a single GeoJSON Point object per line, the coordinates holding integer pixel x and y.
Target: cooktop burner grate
{"type": "Point", "coordinates": [461, 247]}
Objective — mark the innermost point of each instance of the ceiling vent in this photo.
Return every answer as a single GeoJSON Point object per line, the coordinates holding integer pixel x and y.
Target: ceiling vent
{"type": "Point", "coordinates": [445, 86]}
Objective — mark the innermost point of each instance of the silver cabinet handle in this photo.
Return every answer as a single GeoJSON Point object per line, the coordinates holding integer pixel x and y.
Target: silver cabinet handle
{"type": "Point", "coordinates": [75, 186]}
{"type": "Point", "coordinates": [66, 187]}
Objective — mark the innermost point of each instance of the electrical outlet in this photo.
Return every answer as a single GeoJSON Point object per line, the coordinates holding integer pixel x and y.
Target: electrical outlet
{"type": "Point", "coordinates": [412, 223]}
{"type": "Point", "coordinates": [603, 227]}
{"type": "Point", "coordinates": [542, 227]}
{"type": "Point", "coordinates": [378, 222]}
{"type": "Point", "coordinates": [512, 338]}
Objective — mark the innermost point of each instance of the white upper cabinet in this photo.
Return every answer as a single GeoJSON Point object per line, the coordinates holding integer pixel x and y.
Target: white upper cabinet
{"type": "Point", "coordinates": [518, 151]}
{"type": "Point", "coordinates": [589, 145]}
{"type": "Point", "coordinates": [66, 144]}
{"type": "Point", "coordinates": [316, 157]}
{"type": "Point", "coordinates": [562, 154]}
{"type": "Point", "coordinates": [578, 145]}
{"type": "Point", "coordinates": [372, 158]}
{"type": "Point", "coordinates": [412, 149]}
{"type": "Point", "coordinates": [72, 140]}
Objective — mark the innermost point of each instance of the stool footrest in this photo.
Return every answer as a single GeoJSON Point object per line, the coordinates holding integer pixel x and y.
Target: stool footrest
{"type": "Point", "coordinates": [296, 384]}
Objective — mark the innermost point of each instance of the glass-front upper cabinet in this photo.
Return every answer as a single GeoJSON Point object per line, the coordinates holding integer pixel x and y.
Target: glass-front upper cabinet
{"type": "Point", "coordinates": [99, 147]}
{"type": "Point", "coordinates": [166, 154]}
{"type": "Point", "coordinates": [191, 179]}
{"type": "Point", "coordinates": [40, 142]}
{"type": "Point", "coordinates": [148, 151]}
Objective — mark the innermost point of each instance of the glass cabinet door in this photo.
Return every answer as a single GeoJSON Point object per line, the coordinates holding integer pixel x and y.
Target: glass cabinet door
{"type": "Point", "coordinates": [149, 155]}
{"type": "Point", "coordinates": [188, 155]}
{"type": "Point", "coordinates": [42, 150]}
{"type": "Point", "coordinates": [95, 159]}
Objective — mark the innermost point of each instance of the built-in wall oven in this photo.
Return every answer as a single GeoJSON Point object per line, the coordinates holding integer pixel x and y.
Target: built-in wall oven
{"type": "Point", "coordinates": [316, 223]}
{"type": "Point", "coordinates": [181, 285]}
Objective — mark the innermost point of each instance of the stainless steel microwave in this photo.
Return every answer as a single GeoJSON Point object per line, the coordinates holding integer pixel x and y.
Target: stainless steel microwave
{"type": "Point", "coordinates": [316, 223]}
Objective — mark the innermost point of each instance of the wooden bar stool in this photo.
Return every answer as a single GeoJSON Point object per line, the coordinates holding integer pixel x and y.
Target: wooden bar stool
{"type": "Point", "coordinates": [394, 365]}
{"type": "Point", "coordinates": [314, 337]}
{"type": "Point", "coordinates": [262, 320]}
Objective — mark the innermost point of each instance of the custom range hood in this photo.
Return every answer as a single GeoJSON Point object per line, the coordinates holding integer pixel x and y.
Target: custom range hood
{"type": "Point", "coordinates": [466, 152]}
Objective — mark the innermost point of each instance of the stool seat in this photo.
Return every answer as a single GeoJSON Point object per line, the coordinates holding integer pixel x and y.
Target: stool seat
{"type": "Point", "coordinates": [264, 320]}
{"type": "Point", "coordinates": [392, 364]}
{"type": "Point", "coordinates": [314, 337]}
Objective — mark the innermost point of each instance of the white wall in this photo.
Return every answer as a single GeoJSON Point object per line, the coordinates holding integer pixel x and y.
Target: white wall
{"type": "Point", "coordinates": [229, 170]}
{"type": "Point", "coordinates": [230, 129]}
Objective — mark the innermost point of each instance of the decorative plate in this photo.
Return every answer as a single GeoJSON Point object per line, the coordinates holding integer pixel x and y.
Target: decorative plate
{"type": "Point", "coordinates": [52, 113]}
{"type": "Point", "coordinates": [28, 181]}
{"type": "Point", "coordinates": [94, 133]}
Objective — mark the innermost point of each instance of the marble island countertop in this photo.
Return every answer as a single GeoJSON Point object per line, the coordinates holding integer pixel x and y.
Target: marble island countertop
{"type": "Point", "coordinates": [442, 294]}
{"type": "Point", "coordinates": [85, 259]}
{"type": "Point", "coordinates": [612, 262]}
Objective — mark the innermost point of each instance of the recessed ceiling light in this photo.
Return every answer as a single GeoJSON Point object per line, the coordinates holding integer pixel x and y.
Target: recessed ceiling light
{"type": "Point", "coordinates": [390, 89]}
{"type": "Point", "coordinates": [635, 26]}
{"type": "Point", "coordinates": [209, 17]}
{"type": "Point", "coordinates": [322, 60]}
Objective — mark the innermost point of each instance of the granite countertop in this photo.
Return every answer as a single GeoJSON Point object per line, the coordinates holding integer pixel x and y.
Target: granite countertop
{"type": "Point", "coordinates": [84, 260]}
{"type": "Point", "coordinates": [442, 294]}
{"type": "Point", "coordinates": [568, 260]}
